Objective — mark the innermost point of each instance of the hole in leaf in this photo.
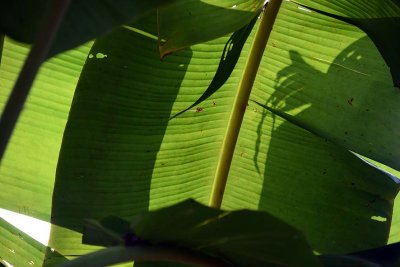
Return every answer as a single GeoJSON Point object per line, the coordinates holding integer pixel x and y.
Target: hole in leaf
{"type": "Point", "coordinates": [101, 55]}
{"type": "Point", "coordinates": [379, 218]}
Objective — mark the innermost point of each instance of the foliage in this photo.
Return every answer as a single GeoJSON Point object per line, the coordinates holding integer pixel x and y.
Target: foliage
{"type": "Point", "coordinates": [216, 233]}
{"type": "Point", "coordinates": [323, 95]}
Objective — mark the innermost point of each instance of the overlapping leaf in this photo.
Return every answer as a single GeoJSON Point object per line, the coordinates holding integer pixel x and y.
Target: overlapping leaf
{"type": "Point", "coordinates": [83, 21]}
{"type": "Point", "coordinates": [241, 238]}
{"type": "Point", "coordinates": [189, 22]}
{"type": "Point", "coordinates": [185, 23]}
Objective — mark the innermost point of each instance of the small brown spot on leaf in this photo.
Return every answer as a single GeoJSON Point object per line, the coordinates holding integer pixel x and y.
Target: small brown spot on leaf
{"type": "Point", "coordinates": [199, 109]}
{"type": "Point", "coordinates": [350, 101]}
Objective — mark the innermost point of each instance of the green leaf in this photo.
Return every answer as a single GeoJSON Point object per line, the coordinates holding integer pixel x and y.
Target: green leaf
{"type": "Point", "coordinates": [122, 155]}
{"type": "Point", "coordinates": [28, 169]}
{"type": "Point", "coordinates": [243, 238]}
{"type": "Point", "coordinates": [32, 154]}
{"type": "Point", "coordinates": [330, 77]}
{"type": "Point", "coordinates": [311, 71]}
{"type": "Point", "coordinates": [83, 21]}
{"type": "Point", "coordinates": [185, 23]}
{"type": "Point", "coordinates": [19, 249]}
{"type": "Point", "coordinates": [134, 60]}
{"type": "Point", "coordinates": [229, 58]}
{"type": "Point", "coordinates": [188, 22]}
{"type": "Point", "coordinates": [379, 19]}
{"type": "Point", "coordinates": [110, 231]}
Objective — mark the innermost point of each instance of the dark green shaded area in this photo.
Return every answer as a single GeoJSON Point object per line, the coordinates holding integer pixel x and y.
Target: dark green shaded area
{"type": "Point", "coordinates": [84, 20]}
{"type": "Point", "coordinates": [378, 257]}
{"type": "Point", "coordinates": [242, 238]}
{"type": "Point", "coordinates": [352, 193]}
{"type": "Point", "coordinates": [187, 22]}
{"type": "Point", "coordinates": [114, 131]}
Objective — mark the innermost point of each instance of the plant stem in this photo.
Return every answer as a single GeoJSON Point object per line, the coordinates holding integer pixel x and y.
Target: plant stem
{"type": "Point", "coordinates": [241, 99]}
{"type": "Point", "coordinates": [142, 253]}
{"type": "Point", "coordinates": [37, 55]}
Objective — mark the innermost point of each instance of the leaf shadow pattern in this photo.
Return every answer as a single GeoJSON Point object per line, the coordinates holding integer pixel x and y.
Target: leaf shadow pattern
{"type": "Point", "coordinates": [117, 122]}
{"type": "Point", "coordinates": [382, 31]}
{"type": "Point", "coordinates": [229, 58]}
{"type": "Point", "coordinates": [285, 78]}
{"type": "Point", "coordinates": [336, 199]}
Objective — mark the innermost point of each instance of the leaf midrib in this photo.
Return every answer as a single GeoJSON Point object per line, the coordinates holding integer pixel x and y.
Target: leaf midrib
{"type": "Point", "coordinates": [249, 74]}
